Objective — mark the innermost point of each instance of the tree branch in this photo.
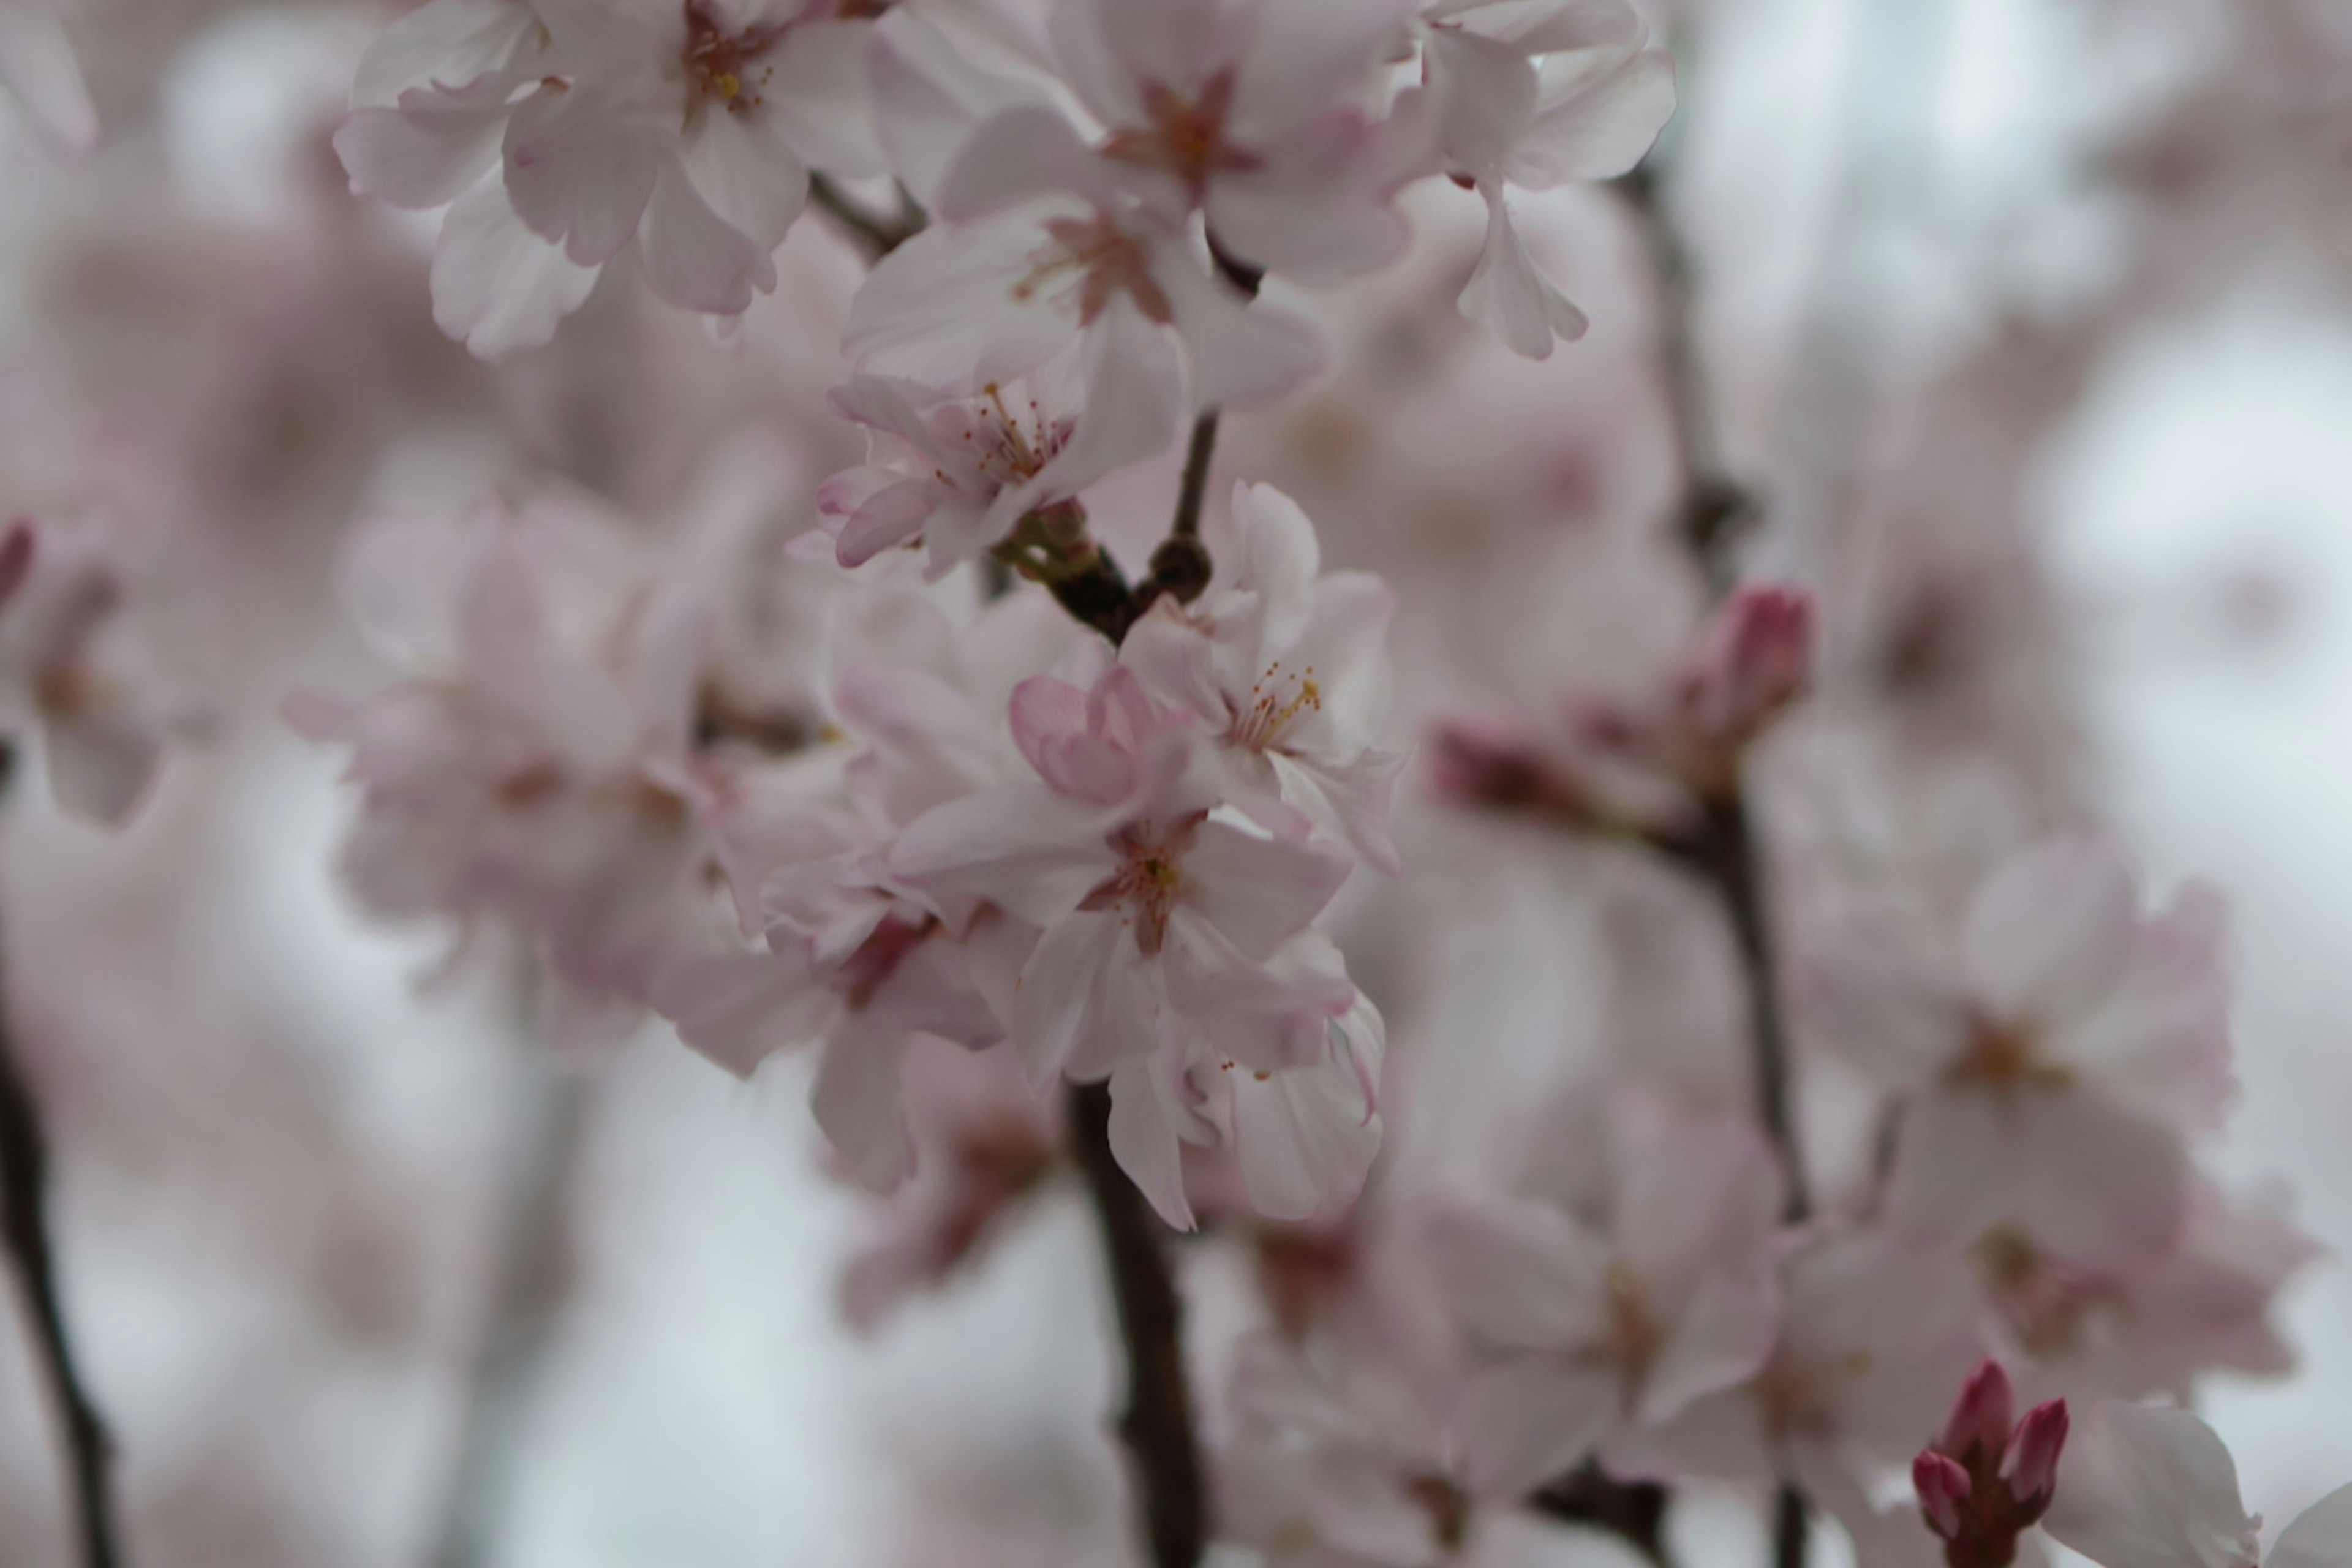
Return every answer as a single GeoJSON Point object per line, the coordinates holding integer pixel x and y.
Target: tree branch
{"type": "Point", "coordinates": [1156, 1426]}
{"type": "Point", "coordinates": [1634, 1511]}
{"type": "Point", "coordinates": [878, 234]}
{"type": "Point", "coordinates": [1725, 852]}
{"type": "Point", "coordinates": [23, 1200]}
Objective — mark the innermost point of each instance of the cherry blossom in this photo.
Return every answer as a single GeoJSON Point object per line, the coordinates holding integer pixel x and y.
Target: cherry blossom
{"type": "Point", "coordinates": [75, 667]}
{"type": "Point", "coordinates": [956, 474]}
{"type": "Point", "coordinates": [1288, 669]}
{"type": "Point", "coordinates": [1259, 114]}
{"type": "Point", "coordinates": [2144, 1486]}
{"type": "Point", "coordinates": [1536, 96]}
{"type": "Point", "coordinates": [2053, 1065]}
{"type": "Point", "coordinates": [564, 131]}
{"type": "Point", "coordinates": [1651, 1287]}
{"type": "Point", "coordinates": [1041, 238]}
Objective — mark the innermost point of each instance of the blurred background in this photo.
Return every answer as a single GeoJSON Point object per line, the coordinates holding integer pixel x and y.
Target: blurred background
{"type": "Point", "coordinates": [2028, 319]}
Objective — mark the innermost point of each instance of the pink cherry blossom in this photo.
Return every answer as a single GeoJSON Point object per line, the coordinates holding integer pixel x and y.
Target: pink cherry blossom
{"type": "Point", "coordinates": [75, 665]}
{"type": "Point", "coordinates": [1288, 669]}
{"type": "Point", "coordinates": [1873, 1332]}
{"type": "Point", "coordinates": [1534, 96]}
{"type": "Point", "coordinates": [955, 474]}
{"type": "Point", "coordinates": [1145, 902]}
{"type": "Point", "coordinates": [1257, 112]}
{"type": "Point", "coordinates": [2051, 1065]}
{"type": "Point", "coordinates": [1041, 239]}
{"type": "Point", "coordinates": [1652, 1289]}
{"type": "Point", "coordinates": [2144, 1487]}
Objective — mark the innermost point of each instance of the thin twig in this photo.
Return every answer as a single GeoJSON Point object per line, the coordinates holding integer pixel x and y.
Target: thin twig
{"type": "Point", "coordinates": [1156, 1425]}
{"type": "Point", "coordinates": [878, 234]}
{"type": "Point", "coordinates": [1712, 508]}
{"type": "Point", "coordinates": [24, 1197]}
{"type": "Point", "coordinates": [1725, 852]}
{"type": "Point", "coordinates": [532, 1275]}
{"type": "Point", "coordinates": [1195, 489]}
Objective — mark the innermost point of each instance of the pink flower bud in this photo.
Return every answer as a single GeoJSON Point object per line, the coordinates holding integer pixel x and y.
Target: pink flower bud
{"type": "Point", "coordinates": [1944, 1489]}
{"type": "Point", "coordinates": [1977, 1429]}
{"type": "Point", "coordinates": [1753, 659]}
{"type": "Point", "coordinates": [2030, 1466]}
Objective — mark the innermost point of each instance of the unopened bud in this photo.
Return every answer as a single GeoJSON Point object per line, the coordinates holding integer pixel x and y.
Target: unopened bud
{"type": "Point", "coordinates": [2030, 1466]}
{"type": "Point", "coordinates": [1978, 1427]}
{"type": "Point", "coordinates": [1750, 661]}
{"type": "Point", "coordinates": [1944, 1491]}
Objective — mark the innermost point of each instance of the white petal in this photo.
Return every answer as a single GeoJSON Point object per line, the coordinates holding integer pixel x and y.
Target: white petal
{"type": "Point", "coordinates": [1304, 1139]}
{"type": "Point", "coordinates": [1593, 127]}
{"type": "Point", "coordinates": [1530, 1421]}
{"type": "Point", "coordinates": [1522, 1275]}
{"type": "Point", "coordinates": [820, 98]}
{"type": "Point", "coordinates": [2320, 1538]}
{"type": "Point", "coordinates": [580, 168]}
{"type": "Point", "coordinates": [1258, 892]}
{"type": "Point", "coordinates": [696, 259]}
{"type": "Point", "coordinates": [1239, 350]}
{"type": "Point", "coordinates": [1510, 297]}
{"type": "Point", "coordinates": [445, 42]}
{"type": "Point", "coordinates": [2048, 933]}
{"type": "Point", "coordinates": [497, 286]}
{"type": "Point", "coordinates": [1146, 1144]}
{"type": "Point", "coordinates": [2140, 1486]}
{"type": "Point", "coordinates": [1082, 1007]}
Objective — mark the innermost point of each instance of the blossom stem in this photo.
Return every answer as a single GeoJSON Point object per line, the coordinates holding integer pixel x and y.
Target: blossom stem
{"type": "Point", "coordinates": [877, 233]}
{"type": "Point", "coordinates": [23, 1200]}
{"type": "Point", "coordinates": [1156, 1425]}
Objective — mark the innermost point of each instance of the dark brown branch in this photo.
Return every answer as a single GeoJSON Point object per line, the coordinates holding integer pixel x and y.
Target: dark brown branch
{"type": "Point", "coordinates": [877, 234]}
{"type": "Point", "coordinates": [23, 1201]}
{"type": "Point", "coordinates": [1156, 1426]}
{"type": "Point", "coordinates": [1194, 491]}
{"type": "Point", "coordinates": [1634, 1511]}
{"type": "Point", "coordinates": [1714, 510]}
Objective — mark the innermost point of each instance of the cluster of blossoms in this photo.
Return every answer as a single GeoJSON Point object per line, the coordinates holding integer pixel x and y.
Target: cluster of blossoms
{"type": "Point", "coordinates": [561, 133]}
{"type": "Point", "coordinates": [896, 764]}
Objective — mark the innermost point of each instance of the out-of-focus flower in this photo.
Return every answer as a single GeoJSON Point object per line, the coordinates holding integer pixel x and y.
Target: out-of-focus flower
{"type": "Point", "coordinates": [2144, 1487]}
{"type": "Point", "coordinates": [1652, 1289]}
{"type": "Point", "coordinates": [78, 671]}
{"type": "Point", "coordinates": [2050, 1067]}
{"type": "Point", "coordinates": [39, 74]}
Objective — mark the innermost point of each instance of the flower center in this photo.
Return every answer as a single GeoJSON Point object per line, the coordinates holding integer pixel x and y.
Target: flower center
{"type": "Point", "coordinates": [2002, 1058]}
{"type": "Point", "coordinates": [724, 67]}
{"type": "Point", "coordinates": [1148, 881]}
{"type": "Point", "coordinates": [1276, 699]}
{"type": "Point", "coordinates": [1103, 261]}
{"type": "Point", "coordinates": [1012, 447]}
{"type": "Point", "coordinates": [2048, 1305]}
{"type": "Point", "coordinates": [1186, 136]}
